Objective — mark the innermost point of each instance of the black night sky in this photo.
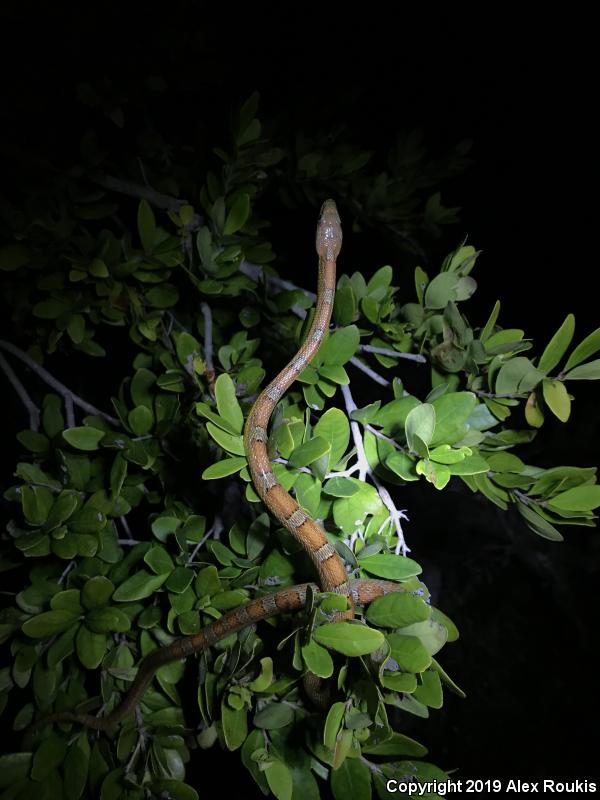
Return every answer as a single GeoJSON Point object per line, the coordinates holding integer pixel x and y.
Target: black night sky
{"type": "Point", "coordinates": [524, 91]}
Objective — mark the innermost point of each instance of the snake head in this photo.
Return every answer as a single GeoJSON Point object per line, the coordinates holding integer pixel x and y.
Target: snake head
{"type": "Point", "coordinates": [329, 232]}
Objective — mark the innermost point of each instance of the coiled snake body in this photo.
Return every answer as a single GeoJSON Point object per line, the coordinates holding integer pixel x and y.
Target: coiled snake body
{"type": "Point", "coordinates": [328, 564]}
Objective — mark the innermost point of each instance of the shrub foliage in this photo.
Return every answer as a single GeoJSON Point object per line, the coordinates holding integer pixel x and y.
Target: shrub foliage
{"type": "Point", "coordinates": [133, 518]}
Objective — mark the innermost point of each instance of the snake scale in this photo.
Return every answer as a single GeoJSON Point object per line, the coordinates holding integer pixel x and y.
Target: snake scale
{"type": "Point", "coordinates": [327, 562]}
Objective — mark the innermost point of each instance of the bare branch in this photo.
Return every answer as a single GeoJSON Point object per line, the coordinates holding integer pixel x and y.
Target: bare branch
{"type": "Point", "coordinates": [395, 515]}
{"type": "Point", "coordinates": [375, 376]}
{"type": "Point", "coordinates": [384, 351]}
{"type": "Point", "coordinates": [63, 390]}
{"type": "Point", "coordinates": [155, 198]}
{"type": "Point", "coordinates": [32, 409]}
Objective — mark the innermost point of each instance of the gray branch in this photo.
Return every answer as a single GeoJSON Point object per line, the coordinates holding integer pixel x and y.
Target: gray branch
{"type": "Point", "coordinates": [208, 338]}
{"type": "Point", "coordinates": [63, 390]}
{"type": "Point", "coordinates": [155, 198]}
{"type": "Point", "coordinates": [385, 351]}
{"type": "Point", "coordinates": [32, 409]}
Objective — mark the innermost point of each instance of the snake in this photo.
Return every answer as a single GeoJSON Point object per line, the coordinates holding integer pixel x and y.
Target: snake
{"type": "Point", "coordinates": [327, 562]}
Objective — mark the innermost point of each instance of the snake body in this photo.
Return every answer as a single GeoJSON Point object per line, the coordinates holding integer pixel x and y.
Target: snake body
{"type": "Point", "coordinates": [328, 564]}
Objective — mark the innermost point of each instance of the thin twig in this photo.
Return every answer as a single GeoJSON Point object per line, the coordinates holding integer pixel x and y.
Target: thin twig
{"type": "Point", "coordinates": [208, 346]}
{"type": "Point", "coordinates": [63, 390]}
{"type": "Point", "coordinates": [383, 437]}
{"type": "Point", "coordinates": [384, 351]}
{"type": "Point", "coordinates": [69, 411]}
{"type": "Point", "coordinates": [65, 572]}
{"type": "Point", "coordinates": [375, 376]}
{"type": "Point", "coordinates": [213, 531]}
{"type": "Point", "coordinates": [395, 515]}
{"type": "Point", "coordinates": [154, 197]}
{"type": "Point", "coordinates": [351, 406]}
{"type": "Point", "coordinates": [32, 409]}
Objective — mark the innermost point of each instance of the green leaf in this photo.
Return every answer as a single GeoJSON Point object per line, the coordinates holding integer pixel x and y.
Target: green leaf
{"type": "Point", "coordinates": [187, 348]}
{"type": "Point", "coordinates": [34, 441]}
{"type": "Point", "coordinates": [397, 609]}
{"type": "Point", "coordinates": [585, 372]}
{"type": "Point", "coordinates": [344, 306]}
{"type": "Point", "coordinates": [340, 487]}
{"type": "Point", "coordinates": [388, 565]}
{"type": "Point", "coordinates": [585, 349]}
{"type": "Point", "coordinates": [308, 452]}
{"type": "Point", "coordinates": [62, 509]}
{"type": "Point", "coordinates": [451, 413]}
{"type": "Point", "coordinates": [179, 580]}
{"type": "Point", "coordinates": [159, 561]}
{"type": "Point", "coordinates": [471, 465]}
{"type": "Point", "coordinates": [164, 296]}
{"type": "Point", "coordinates": [517, 375]}
{"type": "Point", "coordinates": [96, 592]}
{"type": "Point", "coordinates": [118, 473]}
{"type": "Point", "coordinates": [557, 346]}
{"type": "Point", "coordinates": [223, 468]}
{"type": "Point", "coordinates": [227, 402]}
{"type": "Point", "coordinates": [317, 659]}
{"type": "Point", "coordinates": [432, 635]}
{"type": "Point", "coordinates": [91, 647]}
{"type": "Point", "coordinates": [350, 512]}
{"type": "Point", "coordinates": [579, 498]}
{"type": "Point", "coordinates": [232, 444]}
{"type": "Point", "coordinates": [333, 426]}
{"type": "Point", "coordinates": [333, 723]}
{"type": "Point", "coordinates": [409, 652]}
{"type": "Point", "coordinates": [420, 423]}
{"type": "Point", "coordinates": [380, 280]}
{"type": "Point", "coordinates": [49, 755]}
{"type": "Point", "coordinates": [429, 691]}
{"type": "Point", "coordinates": [76, 328]}
{"type": "Point", "coordinates": [533, 412]}
{"type": "Point", "coordinates": [14, 767]}
{"type": "Point", "coordinates": [421, 281]}
{"type": "Point", "coordinates": [264, 680]}
{"type": "Point", "coordinates": [141, 420]}
{"type": "Point", "coordinates": [107, 620]}
{"type": "Point", "coordinates": [36, 502]}
{"type": "Point", "coordinates": [441, 289]}
{"type": "Point", "coordinates": [84, 438]}
{"type": "Point", "coordinates": [146, 225]}
{"type": "Point", "coordinates": [487, 329]}
{"type": "Point", "coordinates": [341, 345]}
{"type": "Point", "coordinates": [539, 525]}
{"type": "Point", "coordinates": [397, 745]}
{"type": "Point", "coordinates": [48, 624]}
{"type": "Point", "coordinates": [557, 398]}
{"type": "Point", "coordinates": [76, 767]}
{"type": "Point", "coordinates": [238, 215]}
{"type": "Point", "coordinates": [141, 584]}
{"type": "Point", "coordinates": [273, 716]}
{"type": "Point", "coordinates": [351, 780]}
{"type": "Point", "coordinates": [279, 779]}
{"type": "Point", "coordinates": [220, 422]}
{"type": "Point", "coordinates": [235, 725]}
{"type": "Point", "coordinates": [348, 638]}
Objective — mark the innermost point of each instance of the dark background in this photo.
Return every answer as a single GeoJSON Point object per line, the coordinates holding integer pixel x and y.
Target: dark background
{"type": "Point", "coordinates": [525, 92]}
